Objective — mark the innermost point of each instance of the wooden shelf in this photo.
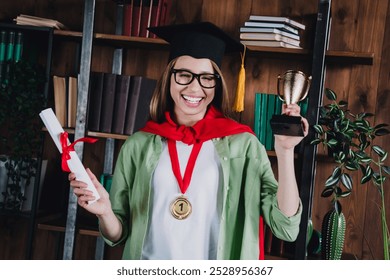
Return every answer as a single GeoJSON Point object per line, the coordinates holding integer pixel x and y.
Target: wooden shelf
{"type": "Point", "coordinates": [85, 226]}
{"type": "Point", "coordinates": [151, 43]}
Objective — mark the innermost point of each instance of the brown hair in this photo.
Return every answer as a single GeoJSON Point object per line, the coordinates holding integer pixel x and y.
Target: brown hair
{"type": "Point", "coordinates": [162, 100]}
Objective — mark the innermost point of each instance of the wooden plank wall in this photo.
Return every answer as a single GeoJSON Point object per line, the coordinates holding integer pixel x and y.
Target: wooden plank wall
{"type": "Point", "coordinates": [361, 26]}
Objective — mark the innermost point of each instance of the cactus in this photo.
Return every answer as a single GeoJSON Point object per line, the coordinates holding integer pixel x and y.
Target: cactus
{"type": "Point", "coordinates": [333, 233]}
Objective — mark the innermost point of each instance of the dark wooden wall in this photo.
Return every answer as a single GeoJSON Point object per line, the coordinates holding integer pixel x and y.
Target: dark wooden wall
{"type": "Point", "coordinates": [361, 26]}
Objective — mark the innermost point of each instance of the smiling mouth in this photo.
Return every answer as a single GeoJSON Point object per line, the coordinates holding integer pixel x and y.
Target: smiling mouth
{"type": "Point", "coordinates": [193, 100]}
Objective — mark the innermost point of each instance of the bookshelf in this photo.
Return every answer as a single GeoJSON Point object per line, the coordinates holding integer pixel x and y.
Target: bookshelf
{"type": "Point", "coordinates": [88, 39]}
{"type": "Point", "coordinates": [361, 60]}
{"type": "Point", "coordinates": [37, 48]}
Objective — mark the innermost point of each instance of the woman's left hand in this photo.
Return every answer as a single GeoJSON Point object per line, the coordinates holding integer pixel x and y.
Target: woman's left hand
{"type": "Point", "coordinates": [289, 142]}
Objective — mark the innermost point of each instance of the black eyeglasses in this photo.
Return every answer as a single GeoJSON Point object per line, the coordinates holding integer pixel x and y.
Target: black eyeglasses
{"type": "Point", "coordinates": [185, 77]}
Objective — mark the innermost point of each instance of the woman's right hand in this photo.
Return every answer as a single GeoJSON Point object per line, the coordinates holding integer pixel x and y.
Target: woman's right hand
{"type": "Point", "coordinates": [84, 196]}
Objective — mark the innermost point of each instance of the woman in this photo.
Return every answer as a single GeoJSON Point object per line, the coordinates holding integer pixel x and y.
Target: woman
{"type": "Point", "coordinates": [193, 183]}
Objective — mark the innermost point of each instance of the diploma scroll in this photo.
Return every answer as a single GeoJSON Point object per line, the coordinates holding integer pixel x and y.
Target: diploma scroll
{"type": "Point", "coordinates": [75, 165]}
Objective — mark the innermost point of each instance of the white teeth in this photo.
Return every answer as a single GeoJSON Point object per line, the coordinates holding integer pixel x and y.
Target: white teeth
{"type": "Point", "coordinates": [192, 99]}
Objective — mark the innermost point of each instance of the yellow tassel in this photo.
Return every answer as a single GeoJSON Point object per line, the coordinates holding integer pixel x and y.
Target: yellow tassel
{"type": "Point", "coordinates": [238, 105]}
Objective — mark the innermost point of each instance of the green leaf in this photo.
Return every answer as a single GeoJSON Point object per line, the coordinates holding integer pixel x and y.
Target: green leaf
{"type": "Point", "coordinates": [332, 142]}
{"type": "Point", "coordinates": [318, 128]}
{"type": "Point", "coordinates": [378, 150]}
{"type": "Point", "coordinates": [316, 141]}
{"type": "Point", "coordinates": [334, 178]}
{"type": "Point", "coordinates": [352, 165]}
{"type": "Point", "coordinates": [345, 194]}
{"type": "Point", "coordinates": [343, 103]}
{"type": "Point", "coordinates": [330, 94]}
{"type": "Point", "coordinates": [386, 169]}
{"type": "Point", "coordinates": [381, 132]}
{"type": "Point", "coordinates": [367, 174]}
{"type": "Point", "coordinates": [381, 125]}
{"type": "Point", "coordinates": [347, 181]}
{"type": "Point", "coordinates": [328, 191]}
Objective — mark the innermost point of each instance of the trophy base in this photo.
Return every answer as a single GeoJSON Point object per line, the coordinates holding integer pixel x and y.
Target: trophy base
{"type": "Point", "coordinates": [286, 125]}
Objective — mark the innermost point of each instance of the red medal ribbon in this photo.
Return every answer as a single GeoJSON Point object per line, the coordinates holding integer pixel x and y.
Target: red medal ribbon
{"type": "Point", "coordinates": [183, 182]}
{"type": "Point", "coordinates": [66, 149]}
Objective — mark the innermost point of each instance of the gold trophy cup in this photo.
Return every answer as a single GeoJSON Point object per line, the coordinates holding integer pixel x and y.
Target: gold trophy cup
{"type": "Point", "coordinates": [293, 87]}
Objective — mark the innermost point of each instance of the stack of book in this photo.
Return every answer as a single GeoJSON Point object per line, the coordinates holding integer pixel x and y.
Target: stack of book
{"type": "Point", "coordinates": [38, 21]}
{"type": "Point", "coordinates": [141, 14]}
{"type": "Point", "coordinates": [11, 48]}
{"type": "Point", "coordinates": [119, 104]}
{"type": "Point", "coordinates": [270, 31]}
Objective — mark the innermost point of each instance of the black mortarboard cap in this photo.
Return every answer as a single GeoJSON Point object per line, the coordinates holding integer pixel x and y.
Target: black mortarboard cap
{"type": "Point", "coordinates": [199, 40]}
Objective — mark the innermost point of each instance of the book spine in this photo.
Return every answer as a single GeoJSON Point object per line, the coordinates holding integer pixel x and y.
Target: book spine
{"type": "Point", "coordinates": [155, 17]}
{"type": "Point", "coordinates": [18, 47]}
{"type": "Point", "coordinates": [256, 124]}
{"type": "Point", "coordinates": [145, 96]}
{"type": "Point", "coordinates": [121, 101]}
{"type": "Point", "coordinates": [72, 101]}
{"type": "Point", "coordinates": [263, 118]}
{"type": "Point", "coordinates": [108, 102]}
{"type": "Point", "coordinates": [141, 91]}
{"type": "Point", "coordinates": [269, 142]}
{"type": "Point", "coordinates": [59, 85]}
{"type": "Point", "coordinates": [135, 86]}
{"type": "Point", "coordinates": [3, 41]}
{"type": "Point", "coordinates": [95, 100]}
{"type": "Point", "coordinates": [136, 18]}
{"type": "Point", "coordinates": [127, 18]}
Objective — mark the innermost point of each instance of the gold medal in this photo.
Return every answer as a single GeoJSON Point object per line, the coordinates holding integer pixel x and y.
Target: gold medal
{"type": "Point", "coordinates": [181, 208]}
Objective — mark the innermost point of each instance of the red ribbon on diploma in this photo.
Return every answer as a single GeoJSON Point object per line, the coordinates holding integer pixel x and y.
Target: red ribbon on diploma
{"type": "Point", "coordinates": [66, 149]}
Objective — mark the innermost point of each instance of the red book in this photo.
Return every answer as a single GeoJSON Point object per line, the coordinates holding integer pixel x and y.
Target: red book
{"type": "Point", "coordinates": [127, 18]}
{"type": "Point", "coordinates": [155, 16]}
{"type": "Point", "coordinates": [146, 15]}
{"type": "Point", "coordinates": [136, 18]}
{"type": "Point", "coordinates": [165, 12]}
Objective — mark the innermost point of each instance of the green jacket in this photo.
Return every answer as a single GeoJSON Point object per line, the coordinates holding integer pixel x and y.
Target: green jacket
{"type": "Point", "coordinates": [249, 190]}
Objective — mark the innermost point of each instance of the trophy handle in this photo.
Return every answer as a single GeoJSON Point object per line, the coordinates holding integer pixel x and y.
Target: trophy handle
{"type": "Point", "coordinates": [308, 80]}
{"type": "Point", "coordinates": [281, 97]}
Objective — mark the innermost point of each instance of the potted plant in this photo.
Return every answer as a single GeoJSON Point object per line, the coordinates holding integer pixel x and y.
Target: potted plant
{"type": "Point", "coordinates": [349, 138]}
{"type": "Point", "coordinates": [21, 100]}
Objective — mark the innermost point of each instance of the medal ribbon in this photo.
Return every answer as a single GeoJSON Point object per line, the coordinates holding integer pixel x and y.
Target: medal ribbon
{"type": "Point", "coordinates": [183, 182]}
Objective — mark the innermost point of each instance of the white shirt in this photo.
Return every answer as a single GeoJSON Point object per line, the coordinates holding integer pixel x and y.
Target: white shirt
{"type": "Point", "coordinates": [195, 237]}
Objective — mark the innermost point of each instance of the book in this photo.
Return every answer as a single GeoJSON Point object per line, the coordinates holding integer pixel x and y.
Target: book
{"type": "Point", "coordinates": [269, 37]}
{"type": "Point", "coordinates": [146, 16]}
{"type": "Point", "coordinates": [72, 101]}
{"type": "Point", "coordinates": [166, 7]}
{"type": "Point", "coordinates": [285, 20]}
{"type": "Point", "coordinates": [95, 100]}
{"type": "Point", "coordinates": [59, 90]}
{"type": "Point", "coordinates": [155, 16]}
{"type": "Point", "coordinates": [281, 26]}
{"type": "Point", "coordinates": [55, 130]}
{"type": "Point", "coordinates": [38, 21]}
{"type": "Point", "coordinates": [9, 54]}
{"type": "Point", "coordinates": [121, 103]}
{"type": "Point", "coordinates": [3, 42]}
{"type": "Point", "coordinates": [257, 111]}
{"type": "Point", "coordinates": [268, 43]}
{"type": "Point", "coordinates": [141, 91]}
{"type": "Point", "coordinates": [136, 18]}
{"type": "Point", "coordinates": [127, 18]}
{"type": "Point", "coordinates": [269, 137]}
{"type": "Point", "coordinates": [18, 47]}
{"type": "Point", "coordinates": [108, 99]}
{"type": "Point", "coordinates": [253, 30]}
